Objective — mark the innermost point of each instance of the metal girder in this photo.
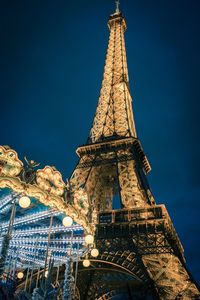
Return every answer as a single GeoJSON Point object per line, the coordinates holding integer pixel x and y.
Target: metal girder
{"type": "Point", "coordinates": [100, 281]}
{"type": "Point", "coordinates": [153, 245]}
{"type": "Point", "coordinates": [117, 171]}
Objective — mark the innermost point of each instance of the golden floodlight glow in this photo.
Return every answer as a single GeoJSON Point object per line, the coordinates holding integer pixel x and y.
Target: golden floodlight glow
{"type": "Point", "coordinates": [95, 252]}
{"type": "Point", "coordinates": [67, 221]}
{"type": "Point", "coordinates": [24, 202]}
{"type": "Point", "coordinates": [86, 263]}
{"type": "Point", "coordinates": [89, 239]}
{"type": "Point", "coordinates": [20, 275]}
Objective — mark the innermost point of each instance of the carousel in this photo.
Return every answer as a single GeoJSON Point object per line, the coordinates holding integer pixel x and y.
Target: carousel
{"type": "Point", "coordinates": [45, 231]}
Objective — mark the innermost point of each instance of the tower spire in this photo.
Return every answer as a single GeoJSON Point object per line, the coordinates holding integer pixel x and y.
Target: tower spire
{"type": "Point", "coordinates": [114, 115]}
{"type": "Point", "coordinates": [117, 6]}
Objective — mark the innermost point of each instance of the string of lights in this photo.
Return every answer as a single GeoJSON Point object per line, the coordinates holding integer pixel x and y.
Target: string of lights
{"type": "Point", "coordinates": [30, 231]}
{"type": "Point", "coordinates": [5, 200]}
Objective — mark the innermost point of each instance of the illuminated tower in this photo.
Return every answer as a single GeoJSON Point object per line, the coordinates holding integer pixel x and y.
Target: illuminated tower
{"type": "Point", "coordinates": [141, 256]}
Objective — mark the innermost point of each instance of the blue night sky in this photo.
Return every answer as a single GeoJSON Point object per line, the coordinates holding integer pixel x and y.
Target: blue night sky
{"type": "Point", "coordinates": [51, 66]}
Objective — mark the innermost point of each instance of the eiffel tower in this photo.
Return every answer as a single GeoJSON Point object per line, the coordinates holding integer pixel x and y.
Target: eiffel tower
{"type": "Point", "coordinates": [140, 254]}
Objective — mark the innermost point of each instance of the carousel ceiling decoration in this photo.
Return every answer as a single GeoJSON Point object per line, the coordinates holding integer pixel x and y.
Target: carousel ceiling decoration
{"type": "Point", "coordinates": [46, 185]}
{"type": "Point", "coordinates": [40, 218]}
{"type": "Point", "coordinates": [43, 226]}
{"type": "Point", "coordinates": [32, 232]}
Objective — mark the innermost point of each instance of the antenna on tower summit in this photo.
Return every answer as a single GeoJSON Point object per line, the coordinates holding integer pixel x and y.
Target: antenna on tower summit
{"type": "Point", "coordinates": [117, 6]}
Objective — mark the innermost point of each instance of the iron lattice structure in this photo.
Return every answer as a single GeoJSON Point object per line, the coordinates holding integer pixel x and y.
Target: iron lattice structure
{"type": "Point", "coordinates": [28, 239]}
{"type": "Point", "coordinates": [141, 256]}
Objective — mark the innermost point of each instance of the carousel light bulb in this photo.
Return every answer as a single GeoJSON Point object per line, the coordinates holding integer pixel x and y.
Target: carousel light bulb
{"type": "Point", "coordinates": [89, 239]}
{"type": "Point", "coordinates": [20, 275]}
{"type": "Point", "coordinates": [67, 221]}
{"type": "Point", "coordinates": [95, 252]}
{"type": "Point", "coordinates": [24, 202]}
{"type": "Point", "coordinates": [86, 263]}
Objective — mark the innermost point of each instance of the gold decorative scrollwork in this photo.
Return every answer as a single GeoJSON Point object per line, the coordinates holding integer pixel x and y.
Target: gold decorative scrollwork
{"type": "Point", "coordinates": [50, 180]}
{"type": "Point", "coordinates": [54, 201]}
{"type": "Point", "coordinates": [48, 187]}
{"type": "Point", "coordinates": [10, 165]}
